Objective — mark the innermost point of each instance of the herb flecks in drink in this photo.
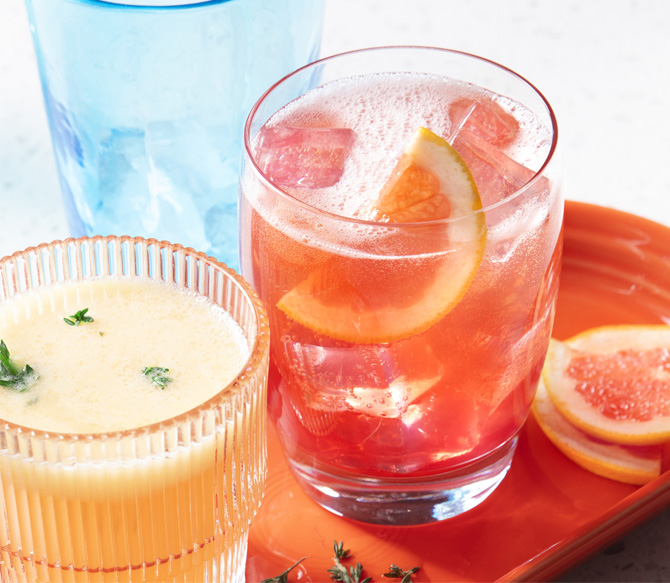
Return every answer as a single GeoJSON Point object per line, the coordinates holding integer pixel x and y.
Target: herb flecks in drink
{"type": "Point", "coordinates": [396, 572]}
{"type": "Point", "coordinates": [339, 571]}
{"type": "Point", "coordinates": [157, 375]}
{"type": "Point", "coordinates": [283, 578]}
{"type": "Point", "coordinates": [78, 318]}
{"type": "Point", "coordinates": [11, 375]}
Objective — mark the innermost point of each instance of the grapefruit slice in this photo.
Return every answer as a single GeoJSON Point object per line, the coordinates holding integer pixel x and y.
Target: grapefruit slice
{"type": "Point", "coordinates": [613, 382]}
{"type": "Point", "coordinates": [630, 464]}
{"type": "Point", "coordinates": [430, 182]}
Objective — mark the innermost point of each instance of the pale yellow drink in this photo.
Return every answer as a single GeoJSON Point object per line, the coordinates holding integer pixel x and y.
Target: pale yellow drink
{"type": "Point", "coordinates": [124, 479]}
{"type": "Point", "coordinates": [90, 375]}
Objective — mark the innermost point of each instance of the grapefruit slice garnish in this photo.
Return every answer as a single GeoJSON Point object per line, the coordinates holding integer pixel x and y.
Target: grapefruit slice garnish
{"type": "Point", "coordinates": [613, 382]}
{"type": "Point", "coordinates": [339, 299]}
{"type": "Point", "coordinates": [431, 181]}
{"type": "Point", "coordinates": [630, 464]}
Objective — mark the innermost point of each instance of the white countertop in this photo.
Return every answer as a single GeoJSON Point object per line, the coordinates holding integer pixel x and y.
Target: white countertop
{"type": "Point", "coordinates": [604, 65]}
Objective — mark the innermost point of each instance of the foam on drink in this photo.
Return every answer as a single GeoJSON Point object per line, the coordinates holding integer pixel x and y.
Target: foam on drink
{"type": "Point", "coordinates": [384, 111]}
{"type": "Point", "coordinates": [91, 375]}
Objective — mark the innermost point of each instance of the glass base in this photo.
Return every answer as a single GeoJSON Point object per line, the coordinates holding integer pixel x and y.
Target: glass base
{"type": "Point", "coordinates": [403, 501]}
{"type": "Point", "coordinates": [212, 563]}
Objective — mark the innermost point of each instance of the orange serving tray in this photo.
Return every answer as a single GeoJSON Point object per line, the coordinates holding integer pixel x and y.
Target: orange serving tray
{"type": "Point", "coordinates": [548, 514]}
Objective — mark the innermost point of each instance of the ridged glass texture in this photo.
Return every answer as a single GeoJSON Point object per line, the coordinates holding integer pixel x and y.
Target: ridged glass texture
{"type": "Point", "coordinates": [170, 501]}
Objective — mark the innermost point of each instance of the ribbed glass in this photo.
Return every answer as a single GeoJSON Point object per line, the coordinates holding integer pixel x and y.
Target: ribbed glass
{"type": "Point", "coordinates": [171, 501]}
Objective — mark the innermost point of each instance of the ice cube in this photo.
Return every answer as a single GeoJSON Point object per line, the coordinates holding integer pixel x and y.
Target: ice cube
{"type": "Point", "coordinates": [123, 190]}
{"type": "Point", "coordinates": [304, 157]}
{"type": "Point", "coordinates": [394, 401]}
{"type": "Point", "coordinates": [497, 176]}
{"type": "Point", "coordinates": [150, 181]}
{"type": "Point", "coordinates": [221, 228]}
{"type": "Point", "coordinates": [364, 379]}
{"type": "Point", "coordinates": [331, 371]}
{"type": "Point", "coordinates": [484, 118]}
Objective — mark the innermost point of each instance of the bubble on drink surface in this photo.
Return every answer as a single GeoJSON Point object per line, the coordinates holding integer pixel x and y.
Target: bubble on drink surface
{"type": "Point", "coordinates": [385, 111]}
{"type": "Point", "coordinates": [525, 226]}
{"type": "Point", "coordinates": [393, 403]}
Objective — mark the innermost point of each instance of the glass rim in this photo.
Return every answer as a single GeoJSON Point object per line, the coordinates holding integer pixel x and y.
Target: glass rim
{"type": "Point", "coordinates": [151, 5]}
{"type": "Point", "coordinates": [537, 174]}
{"type": "Point", "coordinates": [257, 351]}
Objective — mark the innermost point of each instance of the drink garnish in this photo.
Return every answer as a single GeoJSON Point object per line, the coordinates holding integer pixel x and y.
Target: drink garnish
{"type": "Point", "coordinates": [339, 571]}
{"type": "Point", "coordinates": [625, 463]}
{"type": "Point", "coordinates": [11, 375]}
{"type": "Point", "coordinates": [78, 317]}
{"type": "Point", "coordinates": [396, 572]}
{"type": "Point", "coordinates": [604, 400]}
{"type": "Point", "coordinates": [613, 382]}
{"type": "Point", "coordinates": [157, 375]}
{"type": "Point", "coordinates": [431, 182]}
{"type": "Point", "coordinates": [283, 578]}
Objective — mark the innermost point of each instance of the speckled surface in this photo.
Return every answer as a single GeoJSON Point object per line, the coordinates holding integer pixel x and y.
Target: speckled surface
{"type": "Point", "coordinates": [603, 64]}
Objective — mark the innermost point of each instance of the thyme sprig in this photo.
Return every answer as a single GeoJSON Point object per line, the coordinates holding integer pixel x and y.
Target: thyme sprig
{"type": "Point", "coordinates": [78, 317]}
{"type": "Point", "coordinates": [396, 572]}
{"type": "Point", "coordinates": [339, 571]}
{"type": "Point", "coordinates": [283, 578]}
{"type": "Point", "coordinates": [11, 376]}
{"type": "Point", "coordinates": [157, 375]}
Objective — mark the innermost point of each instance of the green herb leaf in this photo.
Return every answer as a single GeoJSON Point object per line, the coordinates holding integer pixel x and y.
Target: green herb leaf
{"type": "Point", "coordinates": [339, 571]}
{"type": "Point", "coordinates": [78, 318]}
{"type": "Point", "coordinates": [157, 375]}
{"type": "Point", "coordinates": [340, 552]}
{"type": "Point", "coordinates": [283, 578]}
{"type": "Point", "coordinates": [11, 376]}
{"type": "Point", "coordinates": [396, 572]}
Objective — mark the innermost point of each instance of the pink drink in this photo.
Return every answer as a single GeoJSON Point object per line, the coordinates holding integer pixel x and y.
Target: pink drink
{"type": "Point", "coordinates": [372, 381]}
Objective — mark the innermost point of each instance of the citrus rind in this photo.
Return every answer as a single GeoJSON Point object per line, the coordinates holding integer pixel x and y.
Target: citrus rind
{"type": "Point", "coordinates": [631, 465]}
{"type": "Point", "coordinates": [574, 407]}
{"type": "Point", "coordinates": [327, 304]}
{"type": "Point", "coordinates": [429, 153]}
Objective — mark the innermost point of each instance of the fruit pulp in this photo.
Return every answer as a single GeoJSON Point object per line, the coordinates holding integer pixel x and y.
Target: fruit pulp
{"type": "Point", "coordinates": [445, 395]}
{"type": "Point", "coordinates": [612, 382]}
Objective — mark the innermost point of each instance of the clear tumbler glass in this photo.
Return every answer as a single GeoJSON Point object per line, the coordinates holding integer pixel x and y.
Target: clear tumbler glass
{"type": "Point", "coordinates": [407, 343]}
{"type": "Point", "coordinates": [146, 102]}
